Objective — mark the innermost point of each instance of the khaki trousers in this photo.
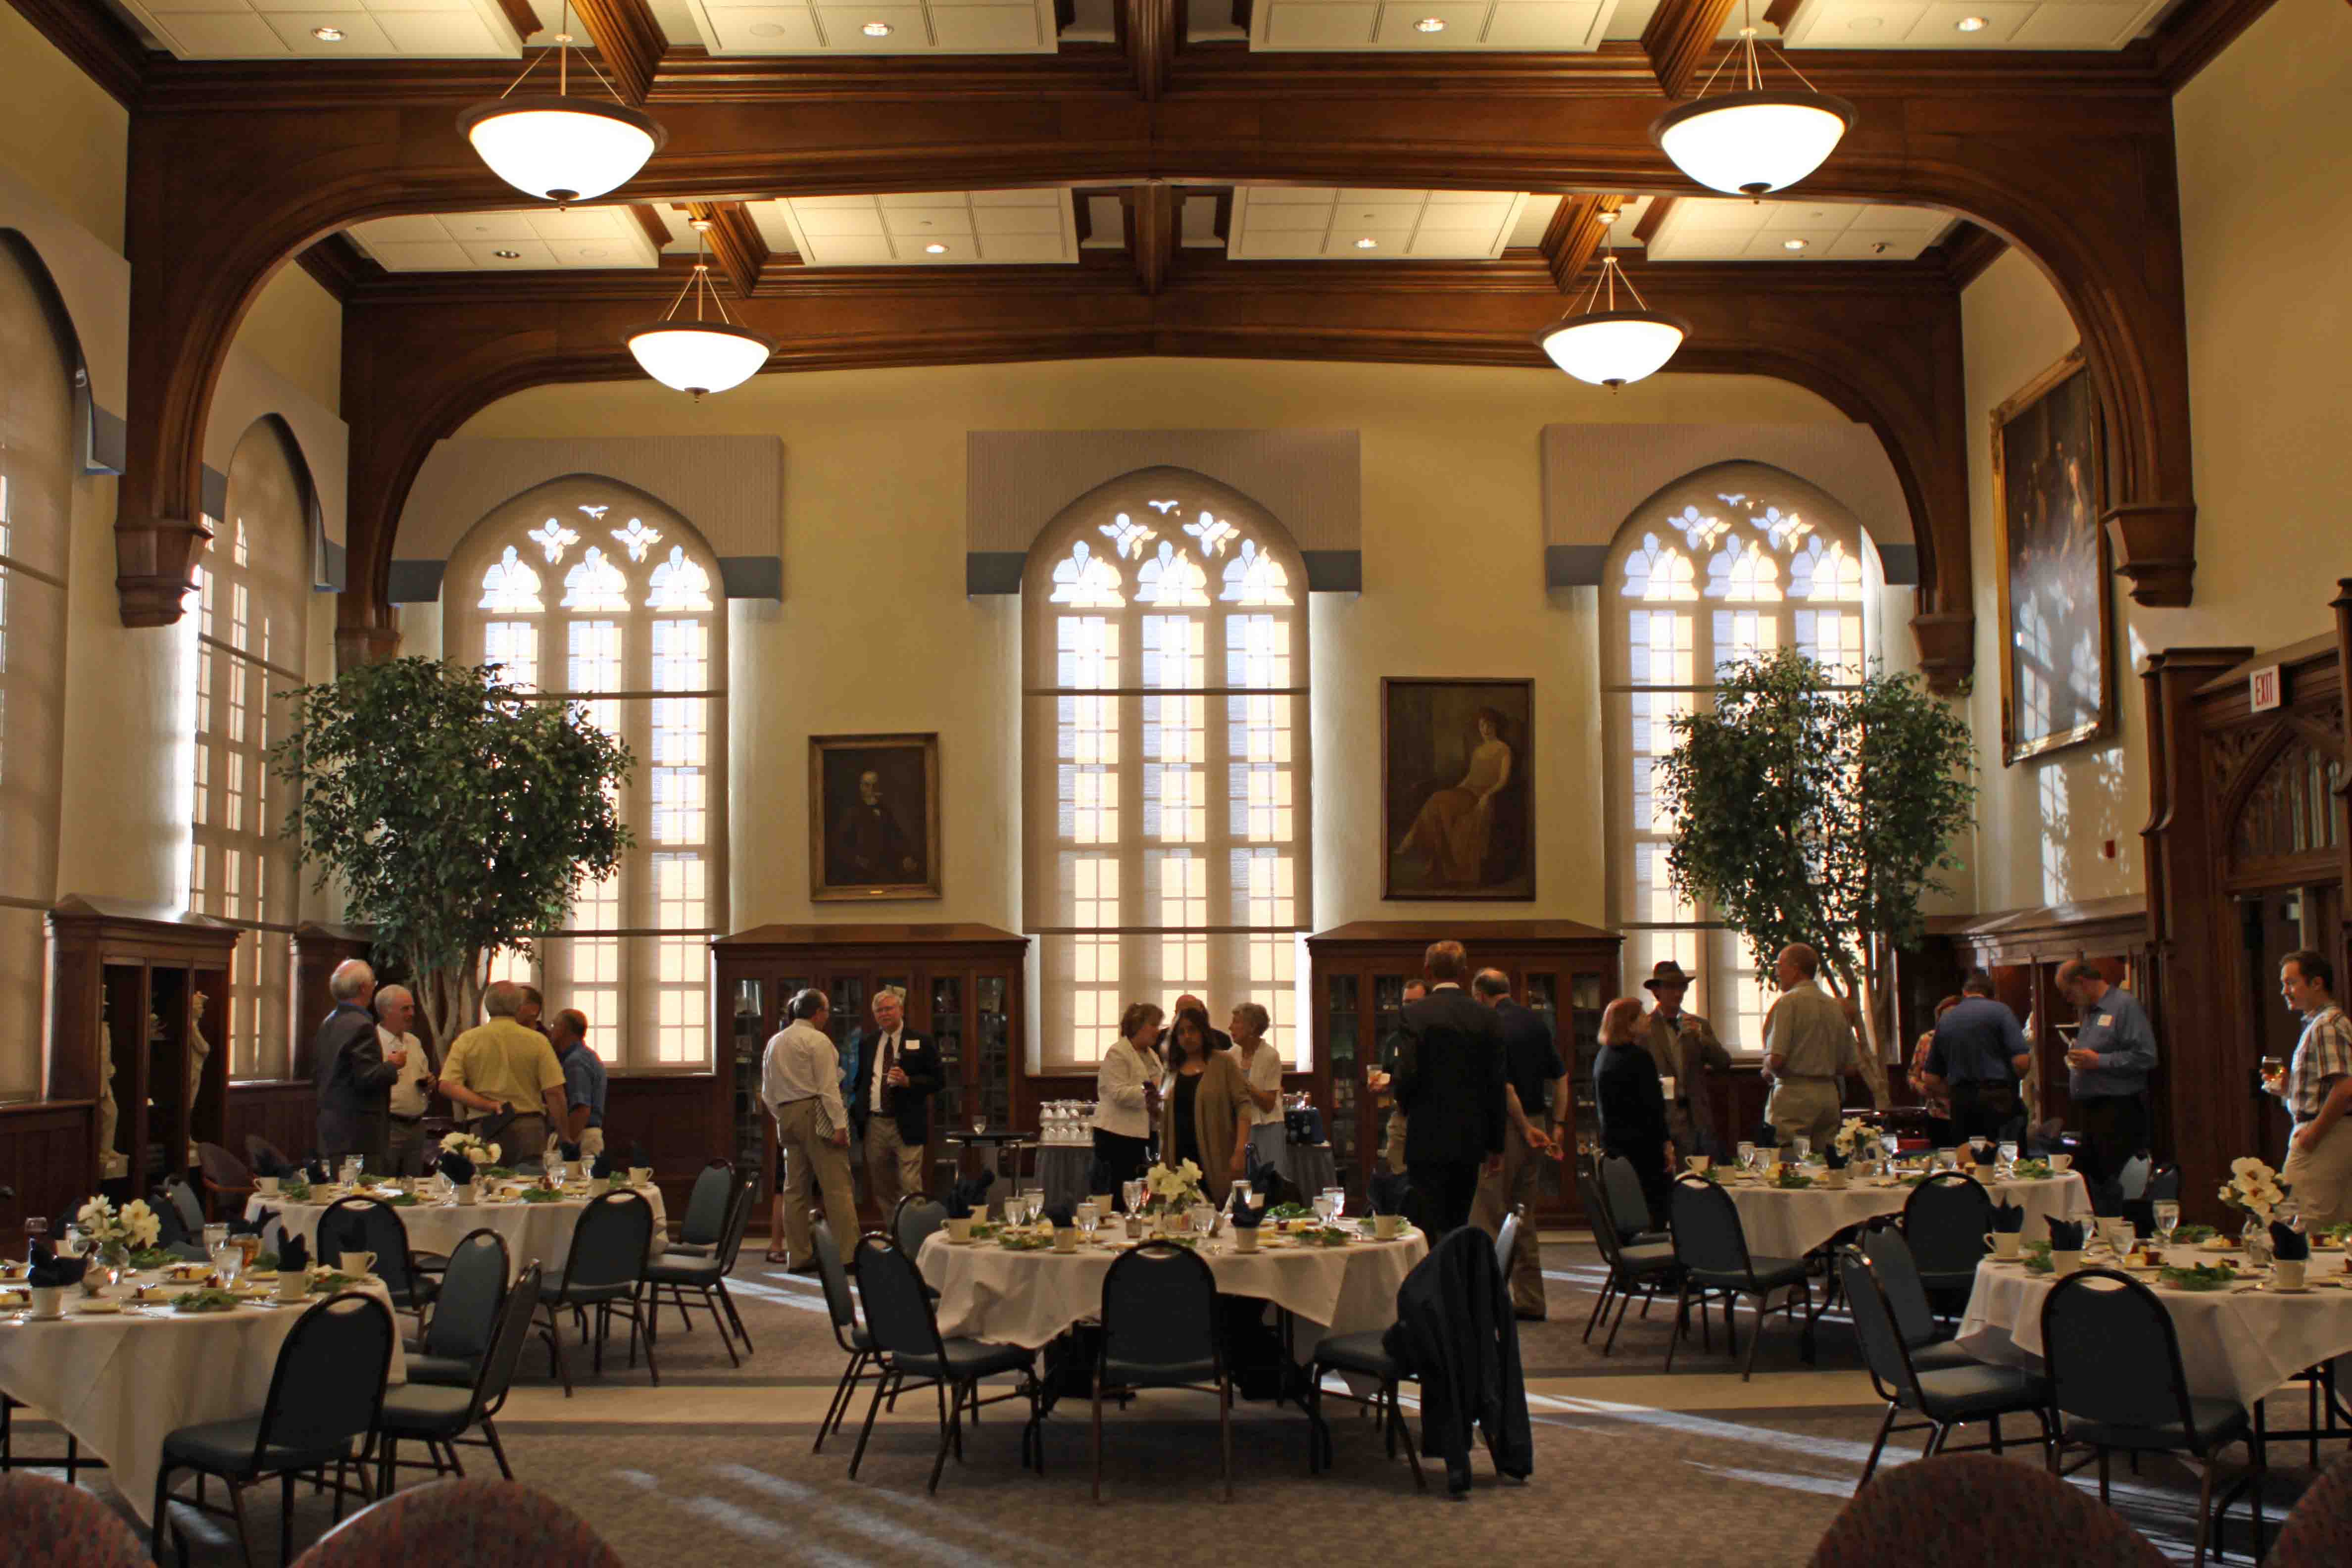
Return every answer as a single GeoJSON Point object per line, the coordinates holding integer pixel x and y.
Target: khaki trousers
{"type": "Point", "coordinates": [1808, 1109]}
{"type": "Point", "coordinates": [892, 1169]}
{"type": "Point", "coordinates": [1392, 1147]}
{"type": "Point", "coordinates": [1515, 1183]}
{"type": "Point", "coordinates": [2322, 1179]}
{"type": "Point", "coordinates": [811, 1160]}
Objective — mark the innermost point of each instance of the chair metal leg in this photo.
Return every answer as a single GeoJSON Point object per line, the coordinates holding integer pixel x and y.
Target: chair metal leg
{"type": "Point", "coordinates": [881, 1384]}
{"type": "Point", "coordinates": [842, 1394]}
{"type": "Point", "coordinates": [2204, 1509]}
{"type": "Point", "coordinates": [1870, 1466]}
{"type": "Point", "coordinates": [160, 1520]}
{"type": "Point", "coordinates": [1396, 1413]}
{"type": "Point", "coordinates": [1681, 1322]}
{"type": "Point", "coordinates": [1599, 1306]}
{"type": "Point", "coordinates": [286, 1517]}
{"type": "Point", "coordinates": [1225, 1428]}
{"type": "Point", "coordinates": [1996, 1433]}
{"type": "Point", "coordinates": [1098, 1441]}
{"type": "Point", "coordinates": [2102, 1475]}
{"type": "Point", "coordinates": [387, 1466]}
{"type": "Point", "coordinates": [947, 1435]}
{"type": "Point", "coordinates": [498, 1449]}
{"type": "Point", "coordinates": [1754, 1338]}
{"type": "Point", "coordinates": [243, 1535]}
{"type": "Point", "coordinates": [727, 1298]}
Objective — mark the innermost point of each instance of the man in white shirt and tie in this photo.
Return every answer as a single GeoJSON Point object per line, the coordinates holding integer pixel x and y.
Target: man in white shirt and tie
{"type": "Point", "coordinates": [412, 1091]}
{"type": "Point", "coordinates": [898, 1073]}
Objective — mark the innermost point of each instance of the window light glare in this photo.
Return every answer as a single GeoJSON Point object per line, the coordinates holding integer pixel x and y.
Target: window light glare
{"type": "Point", "coordinates": [328, 35]}
{"type": "Point", "coordinates": [876, 29]}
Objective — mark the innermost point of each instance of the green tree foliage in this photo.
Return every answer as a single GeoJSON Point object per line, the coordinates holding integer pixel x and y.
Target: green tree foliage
{"type": "Point", "coordinates": [458, 817]}
{"type": "Point", "coordinates": [1808, 812]}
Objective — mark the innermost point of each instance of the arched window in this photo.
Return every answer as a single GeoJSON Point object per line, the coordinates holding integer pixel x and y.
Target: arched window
{"type": "Point", "coordinates": [37, 474]}
{"type": "Point", "coordinates": [1733, 560]}
{"type": "Point", "coordinates": [1166, 741]}
{"type": "Point", "coordinates": [253, 594]}
{"type": "Point", "coordinates": [583, 590]}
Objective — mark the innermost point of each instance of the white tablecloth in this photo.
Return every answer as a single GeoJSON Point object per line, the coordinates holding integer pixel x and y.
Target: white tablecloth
{"type": "Point", "coordinates": [122, 1382]}
{"type": "Point", "coordinates": [2239, 1343]}
{"type": "Point", "coordinates": [532, 1231]}
{"type": "Point", "coordinates": [1030, 1299]}
{"type": "Point", "coordinates": [1790, 1223]}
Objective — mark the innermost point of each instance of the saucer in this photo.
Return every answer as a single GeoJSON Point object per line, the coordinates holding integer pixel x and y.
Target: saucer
{"type": "Point", "coordinates": [97, 1307]}
{"type": "Point", "coordinates": [2288, 1290]}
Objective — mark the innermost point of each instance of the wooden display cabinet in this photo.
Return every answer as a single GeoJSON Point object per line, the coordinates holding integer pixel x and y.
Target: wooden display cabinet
{"type": "Point", "coordinates": [964, 993]}
{"type": "Point", "coordinates": [124, 979]}
{"type": "Point", "coordinates": [1565, 971]}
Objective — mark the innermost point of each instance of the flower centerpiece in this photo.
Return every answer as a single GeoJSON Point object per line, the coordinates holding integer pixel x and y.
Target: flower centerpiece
{"type": "Point", "coordinates": [1852, 1137]}
{"type": "Point", "coordinates": [471, 1147]}
{"type": "Point", "coordinates": [2254, 1187]}
{"type": "Point", "coordinates": [1171, 1192]}
{"type": "Point", "coordinates": [114, 1232]}
{"type": "Point", "coordinates": [463, 1157]}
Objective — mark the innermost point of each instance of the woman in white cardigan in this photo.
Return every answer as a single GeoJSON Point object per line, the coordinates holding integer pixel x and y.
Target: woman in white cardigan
{"type": "Point", "coordinates": [1125, 1085]}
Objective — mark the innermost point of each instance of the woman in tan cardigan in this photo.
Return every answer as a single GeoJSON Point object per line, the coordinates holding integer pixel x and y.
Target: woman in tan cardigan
{"type": "Point", "coordinates": [1204, 1114]}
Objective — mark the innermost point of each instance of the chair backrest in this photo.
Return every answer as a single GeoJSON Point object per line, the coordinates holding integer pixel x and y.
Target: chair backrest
{"type": "Point", "coordinates": [1708, 1237]}
{"type": "Point", "coordinates": [2134, 1177]}
{"type": "Point", "coordinates": [1159, 1309]}
{"type": "Point", "coordinates": [221, 1168]}
{"type": "Point", "coordinates": [256, 1146]}
{"type": "Point", "coordinates": [1627, 1202]}
{"type": "Point", "coordinates": [367, 1224]}
{"type": "Point", "coordinates": [481, 1523]}
{"type": "Point", "coordinates": [1604, 1225]}
{"type": "Point", "coordinates": [191, 1208]}
{"type": "Point", "coordinates": [1874, 1323]}
{"type": "Point", "coordinates": [898, 1314]}
{"type": "Point", "coordinates": [328, 1387]}
{"type": "Point", "coordinates": [1945, 1220]}
{"type": "Point", "coordinates": [171, 1225]}
{"type": "Point", "coordinates": [466, 1314]}
{"type": "Point", "coordinates": [1506, 1236]}
{"type": "Point", "coordinates": [2112, 1356]}
{"type": "Point", "coordinates": [912, 1222]}
{"type": "Point", "coordinates": [2165, 1184]}
{"type": "Point", "coordinates": [739, 1220]}
{"type": "Point", "coordinates": [706, 1205]}
{"type": "Point", "coordinates": [2318, 1533]}
{"type": "Point", "coordinates": [838, 1303]}
{"type": "Point", "coordinates": [1963, 1510]}
{"type": "Point", "coordinates": [510, 1333]}
{"type": "Point", "coordinates": [1898, 1276]}
{"type": "Point", "coordinates": [609, 1247]}
{"type": "Point", "coordinates": [58, 1526]}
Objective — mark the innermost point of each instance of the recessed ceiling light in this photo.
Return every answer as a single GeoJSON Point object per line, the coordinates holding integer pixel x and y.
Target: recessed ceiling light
{"type": "Point", "coordinates": [1368, 243]}
{"type": "Point", "coordinates": [1970, 24]}
{"type": "Point", "coordinates": [508, 255]}
{"type": "Point", "coordinates": [876, 29]}
{"type": "Point", "coordinates": [1880, 247]}
{"type": "Point", "coordinates": [328, 35]}
{"type": "Point", "coordinates": [1429, 25]}
{"type": "Point", "coordinates": [1792, 244]}
{"type": "Point", "coordinates": [935, 251]}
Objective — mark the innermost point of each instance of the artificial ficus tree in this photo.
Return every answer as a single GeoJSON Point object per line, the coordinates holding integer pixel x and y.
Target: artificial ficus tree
{"type": "Point", "coordinates": [458, 817]}
{"type": "Point", "coordinates": [1815, 811]}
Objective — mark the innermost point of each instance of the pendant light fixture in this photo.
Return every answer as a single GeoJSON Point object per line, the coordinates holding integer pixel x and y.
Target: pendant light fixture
{"type": "Point", "coordinates": [1752, 141]}
{"type": "Point", "coordinates": [699, 356]}
{"type": "Point", "coordinates": [556, 147]}
{"type": "Point", "coordinates": [1609, 347]}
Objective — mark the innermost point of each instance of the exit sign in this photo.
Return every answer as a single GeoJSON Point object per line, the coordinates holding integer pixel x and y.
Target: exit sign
{"type": "Point", "coordinates": [2263, 688]}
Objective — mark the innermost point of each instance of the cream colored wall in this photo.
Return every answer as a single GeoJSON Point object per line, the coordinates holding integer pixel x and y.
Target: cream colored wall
{"type": "Point", "coordinates": [2266, 220]}
{"type": "Point", "coordinates": [60, 130]}
{"type": "Point", "coordinates": [876, 631]}
{"type": "Point", "coordinates": [296, 328]}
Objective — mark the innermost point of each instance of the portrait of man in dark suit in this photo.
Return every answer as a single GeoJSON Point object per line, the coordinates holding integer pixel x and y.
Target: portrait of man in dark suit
{"type": "Point", "coordinates": [875, 815]}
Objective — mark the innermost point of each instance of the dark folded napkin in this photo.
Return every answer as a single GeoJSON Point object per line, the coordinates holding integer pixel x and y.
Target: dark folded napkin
{"type": "Point", "coordinates": [255, 1227]}
{"type": "Point", "coordinates": [1985, 1153]}
{"type": "Point", "coordinates": [1390, 1191]}
{"type": "Point", "coordinates": [293, 1254]}
{"type": "Point", "coordinates": [1767, 1138]}
{"type": "Point", "coordinates": [2065, 1234]}
{"type": "Point", "coordinates": [2008, 1219]}
{"type": "Point", "coordinates": [603, 1168]}
{"type": "Point", "coordinates": [1835, 1158]}
{"type": "Point", "coordinates": [266, 1162]}
{"type": "Point", "coordinates": [1246, 1215]}
{"type": "Point", "coordinates": [456, 1166]}
{"type": "Point", "coordinates": [2288, 1244]}
{"type": "Point", "coordinates": [1063, 1217]}
{"type": "Point", "coordinates": [319, 1171]}
{"type": "Point", "coordinates": [52, 1271]}
{"type": "Point", "coordinates": [639, 1158]}
{"type": "Point", "coordinates": [568, 1153]}
{"type": "Point", "coordinates": [1277, 1188]}
{"type": "Point", "coordinates": [968, 1195]}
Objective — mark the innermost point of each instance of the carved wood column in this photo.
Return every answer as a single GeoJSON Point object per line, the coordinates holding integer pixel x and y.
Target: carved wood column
{"type": "Point", "coordinates": [2342, 606]}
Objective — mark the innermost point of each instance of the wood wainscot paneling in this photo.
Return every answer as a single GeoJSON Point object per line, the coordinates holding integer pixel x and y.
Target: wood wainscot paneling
{"type": "Point", "coordinates": [285, 1112]}
{"type": "Point", "coordinates": [680, 1122]}
{"type": "Point", "coordinates": [47, 1155]}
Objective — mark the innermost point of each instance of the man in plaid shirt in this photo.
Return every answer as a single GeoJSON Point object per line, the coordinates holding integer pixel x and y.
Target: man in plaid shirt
{"type": "Point", "coordinates": [2317, 1088]}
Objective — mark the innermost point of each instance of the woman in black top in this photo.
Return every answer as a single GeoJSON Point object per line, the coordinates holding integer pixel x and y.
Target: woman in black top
{"type": "Point", "coordinates": [1632, 1103]}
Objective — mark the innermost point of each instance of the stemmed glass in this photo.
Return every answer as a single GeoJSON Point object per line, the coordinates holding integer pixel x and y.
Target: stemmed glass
{"type": "Point", "coordinates": [1088, 1219]}
{"type": "Point", "coordinates": [2007, 1155]}
{"type": "Point", "coordinates": [1746, 1152]}
{"type": "Point", "coordinates": [1323, 1207]}
{"type": "Point", "coordinates": [2167, 1212]}
{"type": "Point", "coordinates": [1804, 1147]}
{"type": "Point", "coordinates": [1132, 1192]}
{"type": "Point", "coordinates": [228, 1260]}
{"type": "Point", "coordinates": [216, 1238]}
{"type": "Point", "coordinates": [1338, 1196]}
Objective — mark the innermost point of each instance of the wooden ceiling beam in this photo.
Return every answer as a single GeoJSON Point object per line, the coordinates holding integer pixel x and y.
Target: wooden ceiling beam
{"type": "Point", "coordinates": [1679, 37]}
{"type": "Point", "coordinates": [1575, 235]}
{"type": "Point", "coordinates": [735, 240]}
{"type": "Point", "coordinates": [628, 41]}
{"type": "Point", "coordinates": [1152, 33]}
{"type": "Point", "coordinates": [1150, 210]}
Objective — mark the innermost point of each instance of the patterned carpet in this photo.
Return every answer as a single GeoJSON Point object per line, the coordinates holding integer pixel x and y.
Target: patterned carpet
{"type": "Point", "coordinates": [1632, 1466]}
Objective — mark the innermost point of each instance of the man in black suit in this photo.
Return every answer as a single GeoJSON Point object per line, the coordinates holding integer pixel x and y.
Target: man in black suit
{"type": "Point", "coordinates": [891, 1107]}
{"type": "Point", "coordinates": [1449, 1083]}
{"type": "Point", "coordinates": [1532, 1071]}
{"type": "Point", "coordinates": [353, 1071]}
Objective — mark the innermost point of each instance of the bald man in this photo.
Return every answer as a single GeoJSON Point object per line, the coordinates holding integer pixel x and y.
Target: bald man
{"type": "Point", "coordinates": [1808, 1049]}
{"type": "Point", "coordinates": [354, 1072]}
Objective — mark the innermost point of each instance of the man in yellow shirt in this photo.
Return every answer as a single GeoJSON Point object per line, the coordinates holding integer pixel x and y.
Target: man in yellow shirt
{"type": "Point", "coordinates": [501, 1065]}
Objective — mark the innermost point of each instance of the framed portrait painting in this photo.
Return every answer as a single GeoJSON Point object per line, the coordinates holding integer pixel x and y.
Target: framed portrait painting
{"type": "Point", "coordinates": [874, 816]}
{"type": "Point", "coordinates": [1457, 789]}
{"type": "Point", "coordinates": [2057, 647]}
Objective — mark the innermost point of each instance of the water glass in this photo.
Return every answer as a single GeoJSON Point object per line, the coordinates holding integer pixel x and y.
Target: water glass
{"type": "Point", "coordinates": [1239, 1197]}
{"type": "Point", "coordinates": [1802, 1147]}
{"type": "Point", "coordinates": [2168, 1219]}
{"type": "Point", "coordinates": [1323, 1207]}
{"type": "Point", "coordinates": [228, 1261]}
{"type": "Point", "coordinates": [2007, 1154]}
{"type": "Point", "coordinates": [216, 1238]}
{"type": "Point", "coordinates": [1338, 1196]}
{"type": "Point", "coordinates": [1132, 1193]}
{"type": "Point", "coordinates": [1088, 1219]}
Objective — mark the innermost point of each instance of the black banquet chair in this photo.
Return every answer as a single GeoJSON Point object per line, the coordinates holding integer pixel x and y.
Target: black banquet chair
{"type": "Point", "coordinates": [1923, 1339]}
{"type": "Point", "coordinates": [1712, 1247]}
{"type": "Point", "coordinates": [1645, 1267]}
{"type": "Point", "coordinates": [2115, 1379]}
{"type": "Point", "coordinates": [1159, 1318]}
{"type": "Point", "coordinates": [439, 1416]}
{"type": "Point", "coordinates": [325, 1395]}
{"type": "Point", "coordinates": [706, 1276]}
{"type": "Point", "coordinates": [913, 1356]}
{"type": "Point", "coordinates": [855, 1342]}
{"type": "Point", "coordinates": [604, 1273]}
{"type": "Point", "coordinates": [465, 1316]}
{"type": "Point", "coordinates": [371, 1225]}
{"type": "Point", "coordinates": [703, 1225]}
{"type": "Point", "coordinates": [1945, 1220]}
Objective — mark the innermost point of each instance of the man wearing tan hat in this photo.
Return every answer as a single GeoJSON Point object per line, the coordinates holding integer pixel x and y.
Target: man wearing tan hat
{"type": "Point", "coordinates": [1685, 1048]}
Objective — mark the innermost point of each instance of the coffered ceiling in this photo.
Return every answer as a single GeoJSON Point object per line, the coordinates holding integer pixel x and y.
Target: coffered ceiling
{"type": "Point", "coordinates": [531, 240]}
{"type": "Point", "coordinates": [345, 29]}
{"type": "Point", "coordinates": [1278, 223]}
{"type": "Point", "coordinates": [1694, 228]}
{"type": "Point", "coordinates": [923, 228]}
{"type": "Point", "coordinates": [1970, 24]}
{"type": "Point", "coordinates": [881, 27]}
{"type": "Point", "coordinates": [1552, 26]}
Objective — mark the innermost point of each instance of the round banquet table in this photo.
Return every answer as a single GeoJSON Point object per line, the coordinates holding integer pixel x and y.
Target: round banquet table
{"type": "Point", "coordinates": [1782, 1223]}
{"type": "Point", "coordinates": [122, 1382]}
{"type": "Point", "coordinates": [2238, 1343]}
{"type": "Point", "coordinates": [533, 1232]}
{"type": "Point", "coordinates": [1031, 1299]}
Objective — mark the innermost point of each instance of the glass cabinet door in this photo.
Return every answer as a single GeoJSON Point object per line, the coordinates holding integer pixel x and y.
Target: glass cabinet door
{"type": "Point", "coordinates": [748, 1040]}
{"type": "Point", "coordinates": [991, 1078]}
{"type": "Point", "coordinates": [947, 1040]}
{"type": "Point", "coordinates": [1581, 1047]}
{"type": "Point", "coordinates": [1343, 1025]}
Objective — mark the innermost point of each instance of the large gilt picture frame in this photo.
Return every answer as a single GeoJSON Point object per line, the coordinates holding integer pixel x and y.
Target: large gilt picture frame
{"type": "Point", "coordinates": [1457, 789]}
{"type": "Point", "coordinates": [874, 816]}
{"type": "Point", "coordinates": [2057, 630]}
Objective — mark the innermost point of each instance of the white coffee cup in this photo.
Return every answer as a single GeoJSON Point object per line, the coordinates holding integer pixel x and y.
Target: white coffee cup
{"type": "Point", "coordinates": [1065, 1238]}
{"type": "Point", "coordinates": [2004, 1244]}
{"type": "Point", "coordinates": [265, 1186]}
{"type": "Point", "coordinates": [2065, 1263]}
{"type": "Point", "coordinates": [1245, 1238]}
{"type": "Point", "coordinates": [293, 1284]}
{"type": "Point", "coordinates": [2287, 1273]}
{"type": "Point", "coordinates": [640, 1174]}
{"type": "Point", "coordinates": [2061, 1163]}
{"type": "Point", "coordinates": [960, 1230]}
{"type": "Point", "coordinates": [465, 1194]}
{"type": "Point", "coordinates": [1697, 1162]}
{"type": "Point", "coordinates": [1385, 1226]}
{"type": "Point", "coordinates": [1667, 1085]}
{"type": "Point", "coordinates": [358, 1264]}
{"type": "Point", "coordinates": [1105, 1204]}
{"type": "Point", "coordinates": [48, 1302]}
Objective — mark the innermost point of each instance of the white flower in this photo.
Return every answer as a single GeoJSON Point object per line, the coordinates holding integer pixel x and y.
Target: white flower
{"type": "Point", "coordinates": [1190, 1172]}
{"type": "Point", "coordinates": [139, 1223]}
{"type": "Point", "coordinates": [2245, 1165]}
{"type": "Point", "coordinates": [490, 1153]}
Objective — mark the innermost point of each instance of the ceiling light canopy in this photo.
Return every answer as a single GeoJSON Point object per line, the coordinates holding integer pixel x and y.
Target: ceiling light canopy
{"type": "Point", "coordinates": [699, 356]}
{"type": "Point", "coordinates": [556, 147]}
{"type": "Point", "coordinates": [328, 35]}
{"type": "Point", "coordinates": [876, 29]}
{"type": "Point", "coordinates": [1609, 347]}
{"type": "Point", "coordinates": [1754, 141]}
{"type": "Point", "coordinates": [1429, 25]}
{"type": "Point", "coordinates": [1970, 24]}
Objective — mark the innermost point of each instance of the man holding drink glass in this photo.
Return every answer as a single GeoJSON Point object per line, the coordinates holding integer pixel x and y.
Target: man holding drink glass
{"type": "Point", "coordinates": [2317, 1088]}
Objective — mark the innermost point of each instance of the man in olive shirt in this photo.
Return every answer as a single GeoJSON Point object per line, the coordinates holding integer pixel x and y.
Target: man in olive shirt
{"type": "Point", "coordinates": [1809, 1050]}
{"type": "Point", "coordinates": [501, 1065]}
